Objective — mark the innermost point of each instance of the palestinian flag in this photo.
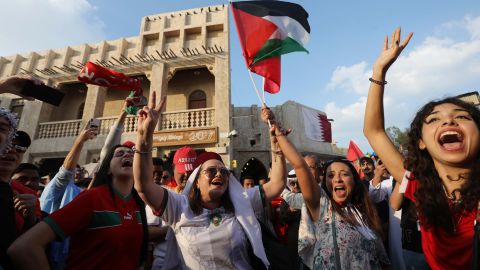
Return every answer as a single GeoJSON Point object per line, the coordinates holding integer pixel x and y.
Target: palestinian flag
{"type": "Point", "coordinates": [268, 29]}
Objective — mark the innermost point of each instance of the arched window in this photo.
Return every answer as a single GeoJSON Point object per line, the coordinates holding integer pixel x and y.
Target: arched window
{"type": "Point", "coordinates": [197, 100]}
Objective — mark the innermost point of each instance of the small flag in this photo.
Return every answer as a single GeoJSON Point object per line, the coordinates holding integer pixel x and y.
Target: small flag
{"type": "Point", "coordinates": [267, 30]}
{"type": "Point", "coordinates": [98, 75]}
{"type": "Point", "coordinates": [317, 126]}
{"type": "Point", "coordinates": [354, 152]}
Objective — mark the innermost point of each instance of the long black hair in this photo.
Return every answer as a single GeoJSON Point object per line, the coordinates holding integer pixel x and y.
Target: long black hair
{"type": "Point", "coordinates": [430, 199]}
{"type": "Point", "coordinates": [359, 198]}
{"type": "Point", "coordinates": [104, 177]}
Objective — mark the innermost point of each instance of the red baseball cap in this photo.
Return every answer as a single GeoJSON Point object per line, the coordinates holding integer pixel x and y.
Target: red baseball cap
{"type": "Point", "coordinates": [184, 159]}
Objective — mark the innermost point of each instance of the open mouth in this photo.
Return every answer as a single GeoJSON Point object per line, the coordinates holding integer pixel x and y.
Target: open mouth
{"type": "Point", "coordinates": [340, 191]}
{"type": "Point", "coordinates": [451, 140]}
{"type": "Point", "coordinates": [217, 182]}
{"type": "Point", "coordinates": [127, 163]}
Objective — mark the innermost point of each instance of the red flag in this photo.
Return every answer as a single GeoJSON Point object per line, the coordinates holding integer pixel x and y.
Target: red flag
{"type": "Point", "coordinates": [354, 152]}
{"type": "Point", "coordinates": [98, 75]}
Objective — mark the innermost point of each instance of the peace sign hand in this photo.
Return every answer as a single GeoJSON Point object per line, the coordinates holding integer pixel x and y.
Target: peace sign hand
{"type": "Point", "coordinates": [390, 53]}
{"type": "Point", "coordinates": [149, 115]}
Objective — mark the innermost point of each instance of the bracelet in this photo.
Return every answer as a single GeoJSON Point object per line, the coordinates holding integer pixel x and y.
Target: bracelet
{"type": "Point", "coordinates": [378, 82]}
{"type": "Point", "coordinates": [142, 153]}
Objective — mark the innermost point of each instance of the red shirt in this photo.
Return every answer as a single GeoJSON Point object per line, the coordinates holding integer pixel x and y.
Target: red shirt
{"type": "Point", "coordinates": [442, 250]}
{"type": "Point", "coordinates": [18, 188]}
{"type": "Point", "coordinates": [105, 234]}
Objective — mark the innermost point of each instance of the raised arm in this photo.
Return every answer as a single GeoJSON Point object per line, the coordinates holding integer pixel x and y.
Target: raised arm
{"type": "Point", "coordinates": [70, 162]}
{"type": "Point", "coordinates": [14, 85]}
{"type": "Point", "coordinates": [51, 198]}
{"type": "Point", "coordinates": [308, 185]}
{"type": "Point", "coordinates": [148, 117]}
{"type": "Point", "coordinates": [374, 126]}
{"type": "Point", "coordinates": [115, 133]}
{"type": "Point", "coordinates": [278, 176]}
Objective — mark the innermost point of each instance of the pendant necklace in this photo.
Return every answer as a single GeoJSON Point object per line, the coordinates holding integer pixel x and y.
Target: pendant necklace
{"type": "Point", "coordinates": [216, 216]}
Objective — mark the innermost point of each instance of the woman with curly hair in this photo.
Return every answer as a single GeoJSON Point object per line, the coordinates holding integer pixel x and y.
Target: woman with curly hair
{"type": "Point", "coordinates": [441, 170]}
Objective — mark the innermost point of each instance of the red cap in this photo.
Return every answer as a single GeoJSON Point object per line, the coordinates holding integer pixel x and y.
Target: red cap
{"type": "Point", "coordinates": [184, 159]}
{"type": "Point", "coordinates": [207, 156]}
{"type": "Point", "coordinates": [128, 144]}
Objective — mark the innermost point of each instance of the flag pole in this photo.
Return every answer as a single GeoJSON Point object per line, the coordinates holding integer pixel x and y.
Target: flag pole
{"type": "Point", "coordinates": [258, 94]}
{"type": "Point", "coordinates": [255, 87]}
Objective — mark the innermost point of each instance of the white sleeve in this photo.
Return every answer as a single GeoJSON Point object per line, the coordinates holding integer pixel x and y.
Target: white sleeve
{"type": "Point", "coordinates": [173, 208]}
{"type": "Point", "coordinates": [404, 184]}
{"type": "Point", "coordinates": [152, 219]}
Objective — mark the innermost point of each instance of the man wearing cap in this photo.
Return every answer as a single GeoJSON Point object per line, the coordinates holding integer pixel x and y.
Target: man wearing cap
{"type": "Point", "coordinates": [183, 162]}
{"type": "Point", "coordinates": [18, 203]}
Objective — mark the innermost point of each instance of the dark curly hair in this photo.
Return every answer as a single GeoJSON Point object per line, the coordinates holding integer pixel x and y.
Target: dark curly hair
{"type": "Point", "coordinates": [360, 199]}
{"type": "Point", "coordinates": [430, 199]}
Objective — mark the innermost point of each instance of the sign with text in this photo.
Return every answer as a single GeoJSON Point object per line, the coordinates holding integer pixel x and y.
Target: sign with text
{"type": "Point", "coordinates": [185, 137]}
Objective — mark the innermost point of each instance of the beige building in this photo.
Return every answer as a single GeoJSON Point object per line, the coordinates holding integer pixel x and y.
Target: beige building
{"type": "Point", "coordinates": [183, 55]}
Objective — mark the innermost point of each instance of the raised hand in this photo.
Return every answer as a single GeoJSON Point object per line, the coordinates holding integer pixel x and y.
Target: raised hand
{"type": "Point", "coordinates": [87, 134]}
{"type": "Point", "coordinates": [149, 115]}
{"type": "Point", "coordinates": [391, 52]}
{"type": "Point", "coordinates": [15, 84]}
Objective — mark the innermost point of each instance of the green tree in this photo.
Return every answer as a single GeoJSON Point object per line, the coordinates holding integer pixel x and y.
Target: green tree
{"type": "Point", "coordinates": [398, 136]}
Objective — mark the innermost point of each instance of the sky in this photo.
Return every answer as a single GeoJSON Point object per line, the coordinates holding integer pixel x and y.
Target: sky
{"type": "Point", "coordinates": [442, 59]}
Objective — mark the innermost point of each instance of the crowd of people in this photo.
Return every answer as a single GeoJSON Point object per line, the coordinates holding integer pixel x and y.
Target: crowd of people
{"type": "Point", "coordinates": [136, 214]}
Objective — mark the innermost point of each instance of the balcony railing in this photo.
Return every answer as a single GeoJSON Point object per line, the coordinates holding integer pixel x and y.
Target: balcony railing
{"type": "Point", "coordinates": [188, 119]}
{"type": "Point", "coordinates": [169, 121]}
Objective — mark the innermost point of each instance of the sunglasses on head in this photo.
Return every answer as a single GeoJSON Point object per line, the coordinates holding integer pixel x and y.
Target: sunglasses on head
{"type": "Point", "coordinates": [210, 172]}
{"type": "Point", "coordinates": [121, 153]}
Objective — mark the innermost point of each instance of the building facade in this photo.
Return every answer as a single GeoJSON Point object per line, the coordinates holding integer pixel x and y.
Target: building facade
{"type": "Point", "coordinates": [183, 55]}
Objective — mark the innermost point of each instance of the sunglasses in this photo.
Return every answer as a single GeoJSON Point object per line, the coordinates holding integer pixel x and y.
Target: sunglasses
{"type": "Point", "coordinates": [210, 172]}
{"type": "Point", "coordinates": [121, 153]}
{"type": "Point", "coordinates": [19, 149]}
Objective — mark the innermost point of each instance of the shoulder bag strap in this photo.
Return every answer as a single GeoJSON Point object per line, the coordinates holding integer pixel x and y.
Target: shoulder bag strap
{"type": "Point", "coordinates": [338, 266]}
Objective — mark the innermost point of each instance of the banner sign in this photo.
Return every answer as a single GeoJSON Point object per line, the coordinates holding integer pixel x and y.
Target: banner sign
{"type": "Point", "coordinates": [185, 137]}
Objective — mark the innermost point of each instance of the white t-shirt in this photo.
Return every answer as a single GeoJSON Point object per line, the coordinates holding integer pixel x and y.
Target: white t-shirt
{"type": "Point", "coordinates": [213, 239]}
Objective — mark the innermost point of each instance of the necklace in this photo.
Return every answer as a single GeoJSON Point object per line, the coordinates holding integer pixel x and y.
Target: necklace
{"type": "Point", "coordinates": [460, 176]}
{"type": "Point", "coordinates": [452, 196]}
{"type": "Point", "coordinates": [216, 215]}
